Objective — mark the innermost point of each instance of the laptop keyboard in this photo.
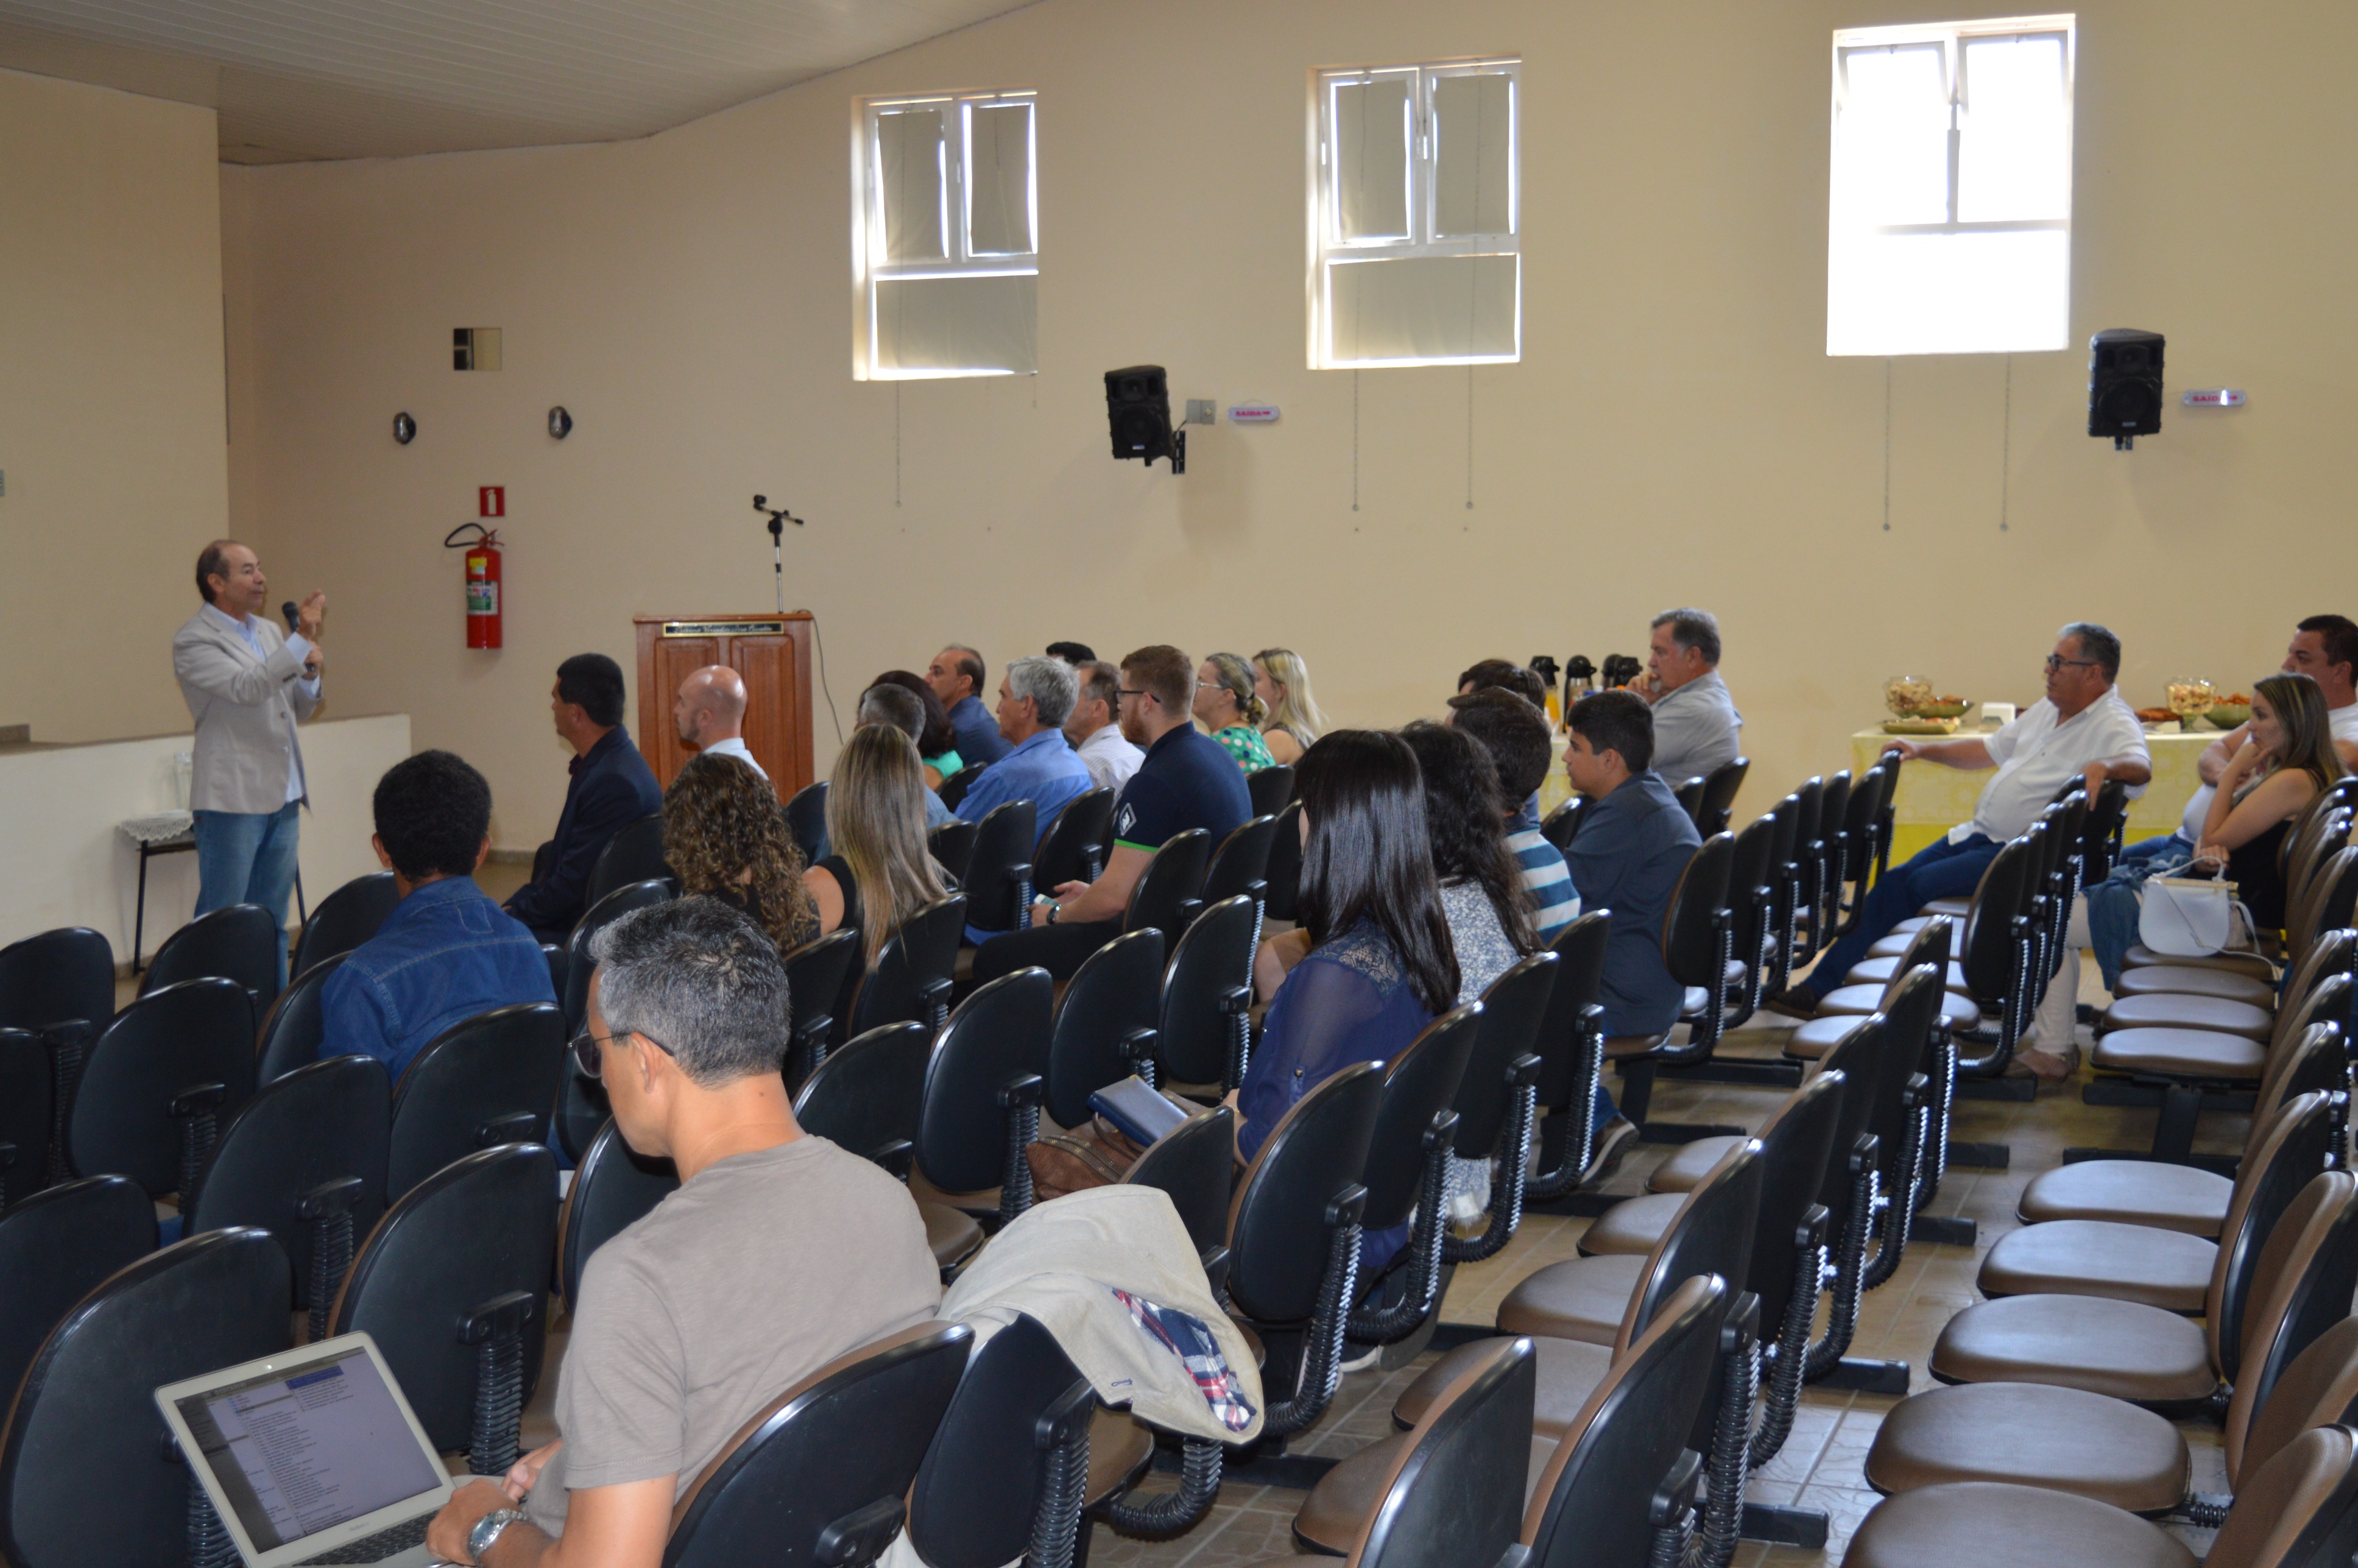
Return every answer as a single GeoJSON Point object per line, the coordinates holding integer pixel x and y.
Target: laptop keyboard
{"type": "Point", "coordinates": [376, 1548]}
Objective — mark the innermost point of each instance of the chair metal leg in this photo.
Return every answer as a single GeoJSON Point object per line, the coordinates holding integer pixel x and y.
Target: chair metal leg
{"type": "Point", "coordinates": [195, 1109]}
{"type": "Point", "coordinates": [1063, 1436]}
{"type": "Point", "coordinates": [1788, 1356]}
{"type": "Point", "coordinates": [210, 1544]}
{"type": "Point", "coordinates": [496, 1331]}
{"type": "Point", "coordinates": [1731, 1444]}
{"type": "Point", "coordinates": [1321, 1367]}
{"type": "Point", "coordinates": [1174, 1513]}
{"type": "Point", "coordinates": [139, 926]}
{"type": "Point", "coordinates": [1514, 1159]}
{"type": "Point", "coordinates": [327, 1210]}
{"type": "Point", "coordinates": [1019, 1099]}
{"type": "Point", "coordinates": [68, 1042]}
{"type": "Point", "coordinates": [1672, 1512]}
{"type": "Point", "coordinates": [1426, 1241]}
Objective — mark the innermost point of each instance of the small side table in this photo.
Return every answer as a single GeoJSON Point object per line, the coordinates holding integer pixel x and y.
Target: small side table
{"type": "Point", "coordinates": [165, 833]}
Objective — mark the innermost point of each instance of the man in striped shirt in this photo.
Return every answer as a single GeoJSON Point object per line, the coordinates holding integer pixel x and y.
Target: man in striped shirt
{"type": "Point", "coordinates": [1515, 733]}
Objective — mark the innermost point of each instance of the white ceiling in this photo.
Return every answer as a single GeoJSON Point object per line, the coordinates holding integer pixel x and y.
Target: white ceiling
{"type": "Point", "coordinates": [328, 79]}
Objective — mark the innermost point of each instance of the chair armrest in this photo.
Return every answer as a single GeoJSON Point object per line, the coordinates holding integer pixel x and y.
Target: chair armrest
{"type": "Point", "coordinates": [1811, 1231]}
{"type": "Point", "coordinates": [197, 1100]}
{"type": "Point", "coordinates": [1443, 1132]}
{"type": "Point", "coordinates": [503, 1315]}
{"type": "Point", "coordinates": [329, 1198]}
{"type": "Point", "coordinates": [516, 1126]}
{"type": "Point", "coordinates": [1215, 1269]}
{"type": "Point", "coordinates": [898, 1157]}
{"type": "Point", "coordinates": [1347, 1207]}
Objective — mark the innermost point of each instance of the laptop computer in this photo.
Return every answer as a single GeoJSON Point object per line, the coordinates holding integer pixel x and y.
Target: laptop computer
{"type": "Point", "coordinates": [312, 1456]}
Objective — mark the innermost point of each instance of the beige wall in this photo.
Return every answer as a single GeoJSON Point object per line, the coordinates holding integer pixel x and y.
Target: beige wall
{"type": "Point", "coordinates": [1675, 433]}
{"type": "Point", "coordinates": [111, 418]}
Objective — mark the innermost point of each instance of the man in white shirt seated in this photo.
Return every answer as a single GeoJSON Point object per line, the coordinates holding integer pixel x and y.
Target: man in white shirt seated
{"type": "Point", "coordinates": [2080, 730]}
{"type": "Point", "coordinates": [1095, 738]}
{"type": "Point", "coordinates": [710, 714]}
{"type": "Point", "coordinates": [1695, 721]}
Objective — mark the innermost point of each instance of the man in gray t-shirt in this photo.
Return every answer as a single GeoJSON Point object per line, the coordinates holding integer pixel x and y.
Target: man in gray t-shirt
{"type": "Point", "coordinates": [779, 1253]}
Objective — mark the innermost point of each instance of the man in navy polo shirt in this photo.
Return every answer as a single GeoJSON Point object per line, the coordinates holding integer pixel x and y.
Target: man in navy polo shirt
{"type": "Point", "coordinates": [1186, 781]}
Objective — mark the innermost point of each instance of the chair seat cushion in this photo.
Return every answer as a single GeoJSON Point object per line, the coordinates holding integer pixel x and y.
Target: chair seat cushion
{"type": "Point", "coordinates": [2177, 980]}
{"type": "Point", "coordinates": [1912, 925]}
{"type": "Point", "coordinates": [1820, 1036]}
{"type": "Point", "coordinates": [2150, 1193]}
{"type": "Point", "coordinates": [2180, 1053]}
{"type": "Point", "coordinates": [1989, 1524]}
{"type": "Point", "coordinates": [2124, 1350]}
{"type": "Point", "coordinates": [2140, 955]}
{"type": "Point", "coordinates": [1856, 1001]}
{"type": "Point", "coordinates": [1569, 1371]}
{"type": "Point", "coordinates": [1891, 946]}
{"type": "Point", "coordinates": [2034, 1436]}
{"type": "Point", "coordinates": [1631, 1226]}
{"type": "Point", "coordinates": [1685, 1170]}
{"type": "Point", "coordinates": [1582, 1299]}
{"type": "Point", "coordinates": [2214, 1015]}
{"type": "Point", "coordinates": [2100, 1258]}
{"type": "Point", "coordinates": [1118, 1449]}
{"type": "Point", "coordinates": [1618, 1047]}
{"type": "Point", "coordinates": [954, 1236]}
{"type": "Point", "coordinates": [1955, 908]}
{"type": "Point", "coordinates": [1872, 971]}
{"type": "Point", "coordinates": [1346, 1497]}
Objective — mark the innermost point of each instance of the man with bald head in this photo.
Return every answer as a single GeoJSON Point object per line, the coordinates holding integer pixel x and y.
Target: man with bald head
{"type": "Point", "coordinates": [711, 713]}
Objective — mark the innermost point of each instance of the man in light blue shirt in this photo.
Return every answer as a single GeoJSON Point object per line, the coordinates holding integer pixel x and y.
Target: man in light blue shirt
{"type": "Point", "coordinates": [1035, 697]}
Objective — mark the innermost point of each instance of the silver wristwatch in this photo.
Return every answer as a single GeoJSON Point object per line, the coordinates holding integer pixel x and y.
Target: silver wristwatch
{"type": "Point", "coordinates": [487, 1530]}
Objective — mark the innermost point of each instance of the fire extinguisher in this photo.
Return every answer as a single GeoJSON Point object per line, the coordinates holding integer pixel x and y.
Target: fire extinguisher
{"type": "Point", "coordinates": [483, 622]}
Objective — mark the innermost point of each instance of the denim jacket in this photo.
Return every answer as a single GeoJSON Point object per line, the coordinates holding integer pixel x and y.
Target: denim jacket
{"type": "Point", "coordinates": [445, 953]}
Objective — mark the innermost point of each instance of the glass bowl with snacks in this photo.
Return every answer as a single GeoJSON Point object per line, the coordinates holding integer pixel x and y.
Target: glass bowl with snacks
{"type": "Point", "coordinates": [2190, 699]}
{"type": "Point", "coordinates": [2229, 712]}
{"type": "Point", "coordinates": [1904, 694]}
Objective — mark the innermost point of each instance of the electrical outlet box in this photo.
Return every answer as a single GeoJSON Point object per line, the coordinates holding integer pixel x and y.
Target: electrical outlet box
{"type": "Point", "coordinates": [1199, 411]}
{"type": "Point", "coordinates": [474, 348]}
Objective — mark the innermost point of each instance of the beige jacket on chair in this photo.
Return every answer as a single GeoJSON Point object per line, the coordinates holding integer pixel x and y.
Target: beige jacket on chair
{"type": "Point", "coordinates": [246, 710]}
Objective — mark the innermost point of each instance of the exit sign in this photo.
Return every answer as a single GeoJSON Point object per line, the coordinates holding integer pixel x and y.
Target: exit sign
{"type": "Point", "coordinates": [492, 501]}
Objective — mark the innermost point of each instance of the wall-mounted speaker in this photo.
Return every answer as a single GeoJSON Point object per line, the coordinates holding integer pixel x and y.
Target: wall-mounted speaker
{"type": "Point", "coordinates": [1138, 413]}
{"type": "Point", "coordinates": [2124, 384]}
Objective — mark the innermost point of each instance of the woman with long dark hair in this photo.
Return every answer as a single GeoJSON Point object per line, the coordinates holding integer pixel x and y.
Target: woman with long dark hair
{"type": "Point", "coordinates": [936, 742]}
{"type": "Point", "coordinates": [1490, 923]}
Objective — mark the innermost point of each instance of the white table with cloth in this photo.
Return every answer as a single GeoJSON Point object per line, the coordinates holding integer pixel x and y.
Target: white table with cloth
{"type": "Point", "coordinates": [1932, 798]}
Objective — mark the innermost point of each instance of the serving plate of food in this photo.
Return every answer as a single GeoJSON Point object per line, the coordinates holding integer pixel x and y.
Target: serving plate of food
{"type": "Point", "coordinates": [1920, 725]}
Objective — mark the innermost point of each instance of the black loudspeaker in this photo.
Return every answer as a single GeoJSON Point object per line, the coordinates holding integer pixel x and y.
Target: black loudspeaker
{"type": "Point", "coordinates": [1138, 411]}
{"type": "Point", "coordinates": [2124, 384]}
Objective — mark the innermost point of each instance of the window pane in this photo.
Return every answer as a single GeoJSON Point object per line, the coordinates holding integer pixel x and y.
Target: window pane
{"type": "Point", "coordinates": [998, 181]}
{"type": "Point", "coordinates": [1891, 142]}
{"type": "Point", "coordinates": [1371, 161]}
{"type": "Point", "coordinates": [2014, 155]}
{"type": "Point", "coordinates": [910, 184]}
{"type": "Point", "coordinates": [2001, 292]}
{"type": "Point", "coordinates": [1422, 307]}
{"type": "Point", "coordinates": [1473, 123]}
{"type": "Point", "coordinates": [950, 326]}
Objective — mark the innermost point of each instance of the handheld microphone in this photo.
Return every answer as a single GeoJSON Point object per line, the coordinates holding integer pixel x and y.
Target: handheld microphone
{"type": "Point", "coordinates": [288, 611]}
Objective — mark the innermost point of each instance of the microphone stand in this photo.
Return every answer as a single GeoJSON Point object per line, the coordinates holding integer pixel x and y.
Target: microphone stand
{"type": "Point", "coordinates": [779, 517]}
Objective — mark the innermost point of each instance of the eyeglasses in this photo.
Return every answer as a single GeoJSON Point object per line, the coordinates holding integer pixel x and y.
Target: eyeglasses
{"type": "Point", "coordinates": [1132, 691]}
{"type": "Point", "coordinates": [2057, 661]}
{"type": "Point", "coordinates": [589, 1056]}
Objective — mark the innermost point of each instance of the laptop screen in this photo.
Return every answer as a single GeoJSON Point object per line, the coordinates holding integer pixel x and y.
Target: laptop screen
{"type": "Point", "coordinates": [300, 1450]}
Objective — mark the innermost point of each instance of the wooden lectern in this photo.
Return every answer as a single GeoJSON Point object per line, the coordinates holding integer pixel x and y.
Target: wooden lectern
{"type": "Point", "coordinates": [772, 652]}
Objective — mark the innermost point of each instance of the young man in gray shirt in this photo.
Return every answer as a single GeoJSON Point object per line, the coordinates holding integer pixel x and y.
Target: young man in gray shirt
{"type": "Point", "coordinates": [779, 1253]}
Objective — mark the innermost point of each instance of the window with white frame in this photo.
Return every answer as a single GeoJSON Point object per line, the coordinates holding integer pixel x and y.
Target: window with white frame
{"type": "Point", "coordinates": [947, 245]}
{"type": "Point", "coordinates": [1418, 218]}
{"type": "Point", "coordinates": [1951, 209]}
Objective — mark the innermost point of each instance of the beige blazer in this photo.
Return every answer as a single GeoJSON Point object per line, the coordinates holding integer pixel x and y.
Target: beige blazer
{"type": "Point", "coordinates": [245, 709]}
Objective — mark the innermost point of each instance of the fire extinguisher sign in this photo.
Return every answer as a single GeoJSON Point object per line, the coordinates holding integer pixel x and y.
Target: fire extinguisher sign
{"type": "Point", "coordinates": [492, 501]}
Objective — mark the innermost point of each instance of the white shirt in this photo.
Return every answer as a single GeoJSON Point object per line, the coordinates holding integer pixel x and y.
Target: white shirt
{"type": "Point", "coordinates": [735, 746]}
{"type": "Point", "coordinates": [2037, 756]}
{"type": "Point", "coordinates": [2198, 806]}
{"type": "Point", "coordinates": [296, 645]}
{"type": "Point", "coordinates": [1109, 759]}
{"type": "Point", "coordinates": [1695, 729]}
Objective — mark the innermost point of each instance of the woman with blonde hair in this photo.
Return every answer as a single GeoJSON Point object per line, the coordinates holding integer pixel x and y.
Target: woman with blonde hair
{"type": "Point", "coordinates": [1282, 681]}
{"type": "Point", "coordinates": [1230, 711]}
{"type": "Point", "coordinates": [725, 835]}
{"type": "Point", "coordinates": [878, 872]}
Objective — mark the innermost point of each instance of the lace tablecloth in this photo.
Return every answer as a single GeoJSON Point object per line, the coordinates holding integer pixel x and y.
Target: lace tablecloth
{"type": "Point", "coordinates": [163, 829]}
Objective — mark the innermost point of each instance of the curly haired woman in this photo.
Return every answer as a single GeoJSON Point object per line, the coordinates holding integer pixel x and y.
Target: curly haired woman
{"type": "Point", "coordinates": [725, 835]}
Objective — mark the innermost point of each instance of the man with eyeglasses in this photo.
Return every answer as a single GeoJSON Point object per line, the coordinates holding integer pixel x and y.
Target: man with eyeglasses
{"type": "Point", "coordinates": [2080, 730]}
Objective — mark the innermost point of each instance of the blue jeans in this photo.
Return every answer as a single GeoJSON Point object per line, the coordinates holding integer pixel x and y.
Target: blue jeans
{"type": "Point", "coordinates": [2114, 904]}
{"type": "Point", "coordinates": [248, 857]}
{"type": "Point", "coordinates": [1939, 869]}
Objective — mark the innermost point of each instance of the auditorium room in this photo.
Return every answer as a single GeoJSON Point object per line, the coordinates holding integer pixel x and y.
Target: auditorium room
{"type": "Point", "coordinates": [946, 784]}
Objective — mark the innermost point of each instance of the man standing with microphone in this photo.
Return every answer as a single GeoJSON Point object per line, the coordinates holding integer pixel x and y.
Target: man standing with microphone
{"type": "Point", "coordinates": [247, 685]}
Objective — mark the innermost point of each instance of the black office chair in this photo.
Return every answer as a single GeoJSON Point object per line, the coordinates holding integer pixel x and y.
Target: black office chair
{"type": "Point", "coordinates": [1240, 865]}
{"type": "Point", "coordinates": [1195, 1165]}
{"type": "Point", "coordinates": [1562, 824]}
{"type": "Point", "coordinates": [910, 980]}
{"type": "Point", "coordinates": [614, 1187]}
{"type": "Point", "coordinates": [818, 1476]}
{"type": "Point", "coordinates": [1170, 889]}
{"type": "Point", "coordinates": [952, 847]}
{"type": "Point", "coordinates": [1284, 874]}
{"type": "Point", "coordinates": [1572, 1057]}
{"type": "Point", "coordinates": [867, 1095]}
{"type": "Point", "coordinates": [59, 986]}
{"type": "Point", "coordinates": [167, 1066]}
{"type": "Point", "coordinates": [304, 1160]}
{"type": "Point", "coordinates": [297, 1022]}
{"type": "Point", "coordinates": [806, 820]}
{"type": "Point", "coordinates": [1719, 787]}
{"type": "Point", "coordinates": [633, 854]}
{"type": "Point", "coordinates": [1205, 1025]}
{"type": "Point", "coordinates": [1106, 1024]}
{"type": "Point", "coordinates": [87, 1472]}
{"type": "Point", "coordinates": [490, 1079]}
{"type": "Point", "coordinates": [242, 943]}
{"type": "Point", "coordinates": [1073, 850]}
{"type": "Point", "coordinates": [1696, 942]}
{"type": "Point", "coordinates": [345, 918]}
{"type": "Point", "coordinates": [999, 875]}
{"type": "Point", "coordinates": [1497, 1099]}
{"type": "Point", "coordinates": [1406, 1172]}
{"type": "Point", "coordinates": [1004, 1477]}
{"type": "Point", "coordinates": [603, 912]}
{"type": "Point", "coordinates": [1272, 789]}
{"type": "Point", "coordinates": [55, 1249]}
{"type": "Point", "coordinates": [954, 787]}
{"type": "Point", "coordinates": [816, 975]}
{"type": "Point", "coordinates": [27, 1114]}
{"type": "Point", "coordinates": [1690, 798]}
{"type": "Point", "coordinates": [981, 1106]}
{"type": "Point", "coordinates": [453, 1286]}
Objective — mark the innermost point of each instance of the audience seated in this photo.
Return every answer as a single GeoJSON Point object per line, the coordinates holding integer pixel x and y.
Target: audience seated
{"type": "Point", "coordinates": [1515, 735]}
{"type": "Point", "coordinates": [613, 787]}
{"type": "Point", "coordinates": [1185, 780]}
{"type": "Point", "coordinates": [1491, 925]}
{"type": "Point", "coordinates": [1282, 681]}
{"type": "Point", "coordinates": [1074, 654]}
{"type": "Point", "coordinates": [2080, 730]}
{"type": "Point", "coordinates": [885, 703]}
{"type": "Point", "coordinates": [1632, 847]}
{"type": "Point", "coordinates": [1094, 729]}
{"type": "Point", "coordinates": [877, 872]}
{"type": "Point", "coordinates": [1507, 675]}
{"type": "Point", "coordinates": [1695, 721]}
{"type": "Point", "coordinates": [447, 952]}
{"type": "Point", "coordinates": [1230, 712]}
{"type": "Point", "coordinates": [1035, 697]}
{"type": "Point", "coordinates": [710, 714]}
{"type": "Point", "coordinates": [778, 1253]}
{"type": "Point", "coordinates": [938, 744]}
{"type": "Point", "coordinates": [725, 835]}
{"type": "Point", "coordinates": [956, 676]}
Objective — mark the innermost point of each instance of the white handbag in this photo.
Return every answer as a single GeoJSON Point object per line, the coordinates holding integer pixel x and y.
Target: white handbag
{"type": "Point", "coordinates": [2191, 917]}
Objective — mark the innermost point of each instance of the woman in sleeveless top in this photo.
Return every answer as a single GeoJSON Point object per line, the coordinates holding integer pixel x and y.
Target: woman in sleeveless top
{"type": "Point", "coordinates": [2285, 762]}
{"type": "Point", "coordinates": [1282, 681]}
{"type": "Point", "coordinates": [879, 873]}
{"type": "Point", "coordinates": [725, 835]}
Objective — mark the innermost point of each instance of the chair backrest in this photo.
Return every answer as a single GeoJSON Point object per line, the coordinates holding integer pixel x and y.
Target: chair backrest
{"type": "Point", "coordinates": [1512, 1009]}
{"type": "Point", "coordinates": [1420, 1081]}
{"type": "Point", "coordinates": [1809, 825]}
{"type": "Point", "coordinates": [1751, 889]}
{"type": "Point", "coordinates": [1784, 848]}
{"type": "Point", "coordinates": [297, 1022]}
{"type": "Point", "coordinates": [633, 854]}
{"type": "Point", "coordinates": [2251, 1262]}
{"type": "Point", "coordinates": [1794, 1145]}
{"type": "Point", "coordinates": [27, 1110]}
{"type": "Point", "coordinates": [345, 918]}
{"type": "Point", "coordinates": [1195, 1165]}
{"type": "Point", "coordinates": [2318, 1388]}
{"type": "Point", "coordinates": [614, 1187]}
{"type": "Point", "coordinates": [1271, 789]}
{"type": "Point", "coordinates": [1277, 1223]}
{"type": "Point", "coordinates": [1719, 787]}
{"type": "Point", "coordinates": [2298, 1510]}
{"type": "Point", "coordinates": [1284, 874]}
{"type": "Point", "coordinates": [1240, 865]}
{"type": "Point", "coordinates": [454, 1095]}
{"type": "Point", "coordinates": [1858, 821]}
{"type": "Point", "coordinates": [995, 1037]}
{"type": "Point", "coordinates": [1929, 944]}
{"type": "Point", "coordinates": [816, 975]}
{"type": "Point", "coordinates": [1987, 952]}
{"type": "Point", "coordinates": [1698, 914]}
{"type": "Point", "coordinates": [2105, 815]}
{"type": "Point", "coordinates": [2313, 1061]}
{"type": "Point", "coordinates": [952, 847]}
{"type": "Point", "coordinates": [1592, 1501]}
{"type": "Point", "coordinates": [1712, 1233]}
{"type": "Point", "coordinates": [2314, 834]}
{"type": "Point", "coordinates": [1689, 795]}
{"type": "Point", "coordinates": [602, 912]}
{"type": "Point", "coordinates": [242, 943]}
{"type": "Point", "coordinates": [2301, 1286]}
{"type": "Point", "coordinates": [121, 1124]}
{"type": "Point", "coordinates": [806, 819]}
{"type": "Point", "coordinates": [1114, 998]}
{"type": "Point", "coordinates": [1859, 1057]}
{"type": "Point", "coordinates": [978, 1495]}
{"type": "Point", "coordinates": [2327, 905]}
{"type": "Point", "coordinates": [55, 1249]}
{"type": "Point", "coordinates": [954, 787]}
{"type": "Point", "coordinates": [1910, 1008]}
{"type": "Point", "coordinates": [867, 1096]}
{"type": "Point", "coordinates": [1834, 814]}
{"type": "Point", "coordinates": [828, 1461]}
{"type": "Point", "coordinates": [57, 976]}
{"type": "Point", "coordinates": [1579, 949]}
{"type": "Point", "coordinates": [320, 1124]}
{"type": "Point", "coordinates": [1455, 1493]}
{"type": "Point", "coordinates": [998, 876]}
{"type": "Point", "coordinates": [911, 972]}
{"type": "Point", "coordinates": [88, 1474]}
{"type": "Point", "coordinates": [1173, 879]}
{"type": "Point", "coordinates": [1563, 825]}
{"type": "Point", "coordinates": [2327, 1000]}
{"type": "Point", "coordinates": [1212, 963]}
{"type": "Point", "coordinates": [1068, 851]}
{"type": "Point", "coordinates": [475, 1231]}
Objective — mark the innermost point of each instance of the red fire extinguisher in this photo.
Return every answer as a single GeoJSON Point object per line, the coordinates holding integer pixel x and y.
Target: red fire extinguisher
{"type": "Point", "coordinates": [483, 586]}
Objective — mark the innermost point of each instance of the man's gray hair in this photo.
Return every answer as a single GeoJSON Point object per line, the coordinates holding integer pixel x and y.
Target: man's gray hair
{"type": "Point", "coordinates": [894, 705]}
{"type": "Point", "coordinates": [1697, 630]}
{"type": "Point", "coordinates": [2097, 643]}
{"type": "Point", "coordinates": [703, 980]}
{"type": "Point", "coordinates": [1049, 683]}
